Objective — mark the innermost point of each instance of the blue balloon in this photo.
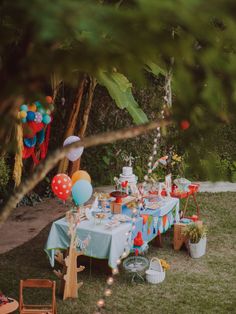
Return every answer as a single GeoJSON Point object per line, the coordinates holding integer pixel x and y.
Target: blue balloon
{"type": "Point", "coordinates": [30, 116]}
{"type": "Point", "coordinates": [23, 108]}
{"type": "Point", "coordinates": [81, 192]}
{"type": "Point", "coordinates": [46, 119]}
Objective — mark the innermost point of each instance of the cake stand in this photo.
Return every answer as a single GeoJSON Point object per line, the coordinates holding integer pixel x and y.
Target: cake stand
{"type": "Point", "coordinates": [118, 196]}
{"type": "Point", "coordinates": [136, 266]}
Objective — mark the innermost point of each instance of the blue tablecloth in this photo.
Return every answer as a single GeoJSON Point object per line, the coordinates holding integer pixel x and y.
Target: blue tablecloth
{"type": "Point", "coordinates": [104, 243]}
{"type": "Point", "coordinates": [110, 243]}
{"type": "Point", "coordinates": [167, 213]}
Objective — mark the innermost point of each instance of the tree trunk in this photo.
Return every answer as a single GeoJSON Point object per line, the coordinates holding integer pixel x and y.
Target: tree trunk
{"type": "Point", "coordinates": [63, 166]}
{"type": "Point", "coordinates": [89, 101]}
{"type": "Point", "coordinates": [8, 118]}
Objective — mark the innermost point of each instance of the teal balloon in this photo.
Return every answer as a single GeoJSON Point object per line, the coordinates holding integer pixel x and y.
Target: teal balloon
{"type": "Point", "coordinates": [42, 110]}
{"type": "Point", "coordinates": [82, 190]}
{"type": "Point", "coordinates": [37, 103]}
{"type": "Point", "coordinates": [46, 119]}
{"type": "Point", "coordinates": [23, 120]}
{"type": "Point", "coordinates": [23, 108]}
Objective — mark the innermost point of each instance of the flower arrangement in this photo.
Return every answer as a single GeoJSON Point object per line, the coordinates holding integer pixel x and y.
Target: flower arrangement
{"type": "Point", "coordinates": [164, 265]}
{"type": "Point", "coordinates": [194, 232]}
{"type": "Point", "coordinates": [176, 164]}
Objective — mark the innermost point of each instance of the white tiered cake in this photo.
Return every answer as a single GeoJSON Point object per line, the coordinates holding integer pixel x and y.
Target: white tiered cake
{"type": "Point", "coordinates": [127, 175]}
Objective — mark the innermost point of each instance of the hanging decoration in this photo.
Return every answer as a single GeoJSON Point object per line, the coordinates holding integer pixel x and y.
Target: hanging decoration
{"type": "Point", "coordinates": [167, 104]}
{"type": "Point", "coordinates": [18, 165]}
{"type": "Point", "coordinates": [36, 121]}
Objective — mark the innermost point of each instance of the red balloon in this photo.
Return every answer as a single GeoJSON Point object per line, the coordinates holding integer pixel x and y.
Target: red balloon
{"type": "Point", "coordinates": [61, 186]}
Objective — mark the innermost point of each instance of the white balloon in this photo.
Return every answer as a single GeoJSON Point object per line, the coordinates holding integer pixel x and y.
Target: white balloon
{"type": "Point", "coordinates": [76, 153]}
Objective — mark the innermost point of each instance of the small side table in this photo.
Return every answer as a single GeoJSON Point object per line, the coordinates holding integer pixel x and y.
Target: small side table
{"type": "Point", "coordinates": [193, 189]}
{"type": "Point", "coordinates": [179, 238]}
{"type": "Point", "coordinates": [9, 307]}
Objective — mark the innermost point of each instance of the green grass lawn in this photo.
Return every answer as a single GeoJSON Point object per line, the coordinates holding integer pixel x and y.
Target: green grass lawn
{"type": "Point", "coordinates": [205, 285]}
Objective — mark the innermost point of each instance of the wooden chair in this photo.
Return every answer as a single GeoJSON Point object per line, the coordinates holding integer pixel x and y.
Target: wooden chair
{"type": "Point", "coordinates": [37, 309]}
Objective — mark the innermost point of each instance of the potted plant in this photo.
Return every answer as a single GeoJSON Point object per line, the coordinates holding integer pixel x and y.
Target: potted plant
{"type": "Point", "coordinates": [196, 235]}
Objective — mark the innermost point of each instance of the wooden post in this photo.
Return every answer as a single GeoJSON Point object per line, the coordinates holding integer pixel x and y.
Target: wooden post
{"type": "Point", "coordinates": [68, 276]}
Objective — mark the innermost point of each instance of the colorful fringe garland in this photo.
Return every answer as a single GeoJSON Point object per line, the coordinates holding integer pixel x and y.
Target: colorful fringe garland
{"type": "Point", "coordinates": [18, 166]}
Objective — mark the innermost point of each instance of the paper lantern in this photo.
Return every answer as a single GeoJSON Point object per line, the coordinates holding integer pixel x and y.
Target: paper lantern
{"type": "Point", "coordinates": [24, 108]}
{"type": "Point", "coordinates": [74, 154]}
{"type": "Point", "coordinates": [46, 119]}
{"type": "Point", "coordinates": [80, 175]}
{"type": "Point", "coordinates": [23, 114]}
{"type": "Point", "coordinates": [41, 110]}
{"type": "Point", "coordinates": [38, 117]}
{"type": "Point", "coordinates": [30, 116]}
{"type": "Point", "coordinates": [32, 107]}
{"type": "Point", "coordinates": [49, 99]}
{"type": "Point", "coordinates": [37, 103]}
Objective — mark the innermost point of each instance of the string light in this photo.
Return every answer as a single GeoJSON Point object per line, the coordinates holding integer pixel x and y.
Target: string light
{"type": "Point", "coordinates": [156, 140]}
{"type": "Point", "coordinates": [100, 303]}
{"type": "Point", "coordinates": [115, 271]}
{"type": "Point", "coordinates": [108, 292]}
{"type": "Point", "coordinates": [110, 281]}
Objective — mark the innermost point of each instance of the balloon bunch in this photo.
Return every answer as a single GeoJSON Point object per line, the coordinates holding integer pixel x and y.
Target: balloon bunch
{"type": "Point", "coordinates": [36, 112]}
{"type": "Point", "coordinates": [36, 119]}
{"type": "Point", "coordinates": [79, 186]}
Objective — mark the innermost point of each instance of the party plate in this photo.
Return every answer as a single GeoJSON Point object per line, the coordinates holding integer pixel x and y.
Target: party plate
{"type": "Point", "coordinates": [121, 218]}
{"type": "Point", "coordinates": [112, 224]}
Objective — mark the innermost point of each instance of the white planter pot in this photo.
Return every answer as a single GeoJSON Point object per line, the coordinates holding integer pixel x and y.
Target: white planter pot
{"type": "Point", "coordinates": [198, 249]}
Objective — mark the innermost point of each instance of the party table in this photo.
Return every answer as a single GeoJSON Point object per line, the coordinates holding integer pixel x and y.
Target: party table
{"type": "Point", "coordinates": [109, 244]}
{"type": "Point", "coordinates": [104, 243]}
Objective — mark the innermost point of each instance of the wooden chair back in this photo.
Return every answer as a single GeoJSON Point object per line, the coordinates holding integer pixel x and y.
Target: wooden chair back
{"type": "Point", "coordinates": [37, 309]}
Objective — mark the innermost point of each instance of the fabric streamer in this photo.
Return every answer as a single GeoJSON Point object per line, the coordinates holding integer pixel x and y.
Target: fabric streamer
{"type": "Point", "coordinates": [18, 166]}
{"type": "Point", "coordinates": [155, 224]}
{"type": "Point", "coordinates": [149, 222]}
{"type": "Point", "coordinates": [164, 220]}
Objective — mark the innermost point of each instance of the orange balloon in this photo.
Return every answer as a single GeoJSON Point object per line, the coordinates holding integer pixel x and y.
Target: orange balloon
{"type": "Point", "coordinates": [80, 175]}
{"type": "Point", "coordinates": [32, 107]}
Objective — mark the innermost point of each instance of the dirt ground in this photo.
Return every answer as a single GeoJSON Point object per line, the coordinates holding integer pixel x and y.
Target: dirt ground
{"type": "Point", "coordinates": [28, 221]}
